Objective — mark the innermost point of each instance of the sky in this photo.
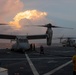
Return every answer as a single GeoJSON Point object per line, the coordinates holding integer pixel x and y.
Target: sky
{"type": "Point", "coordinates": [19, 13]}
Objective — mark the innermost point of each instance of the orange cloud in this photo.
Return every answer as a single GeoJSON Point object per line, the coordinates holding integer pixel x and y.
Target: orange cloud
{"type": "Point", "coordinates": [29, 14]}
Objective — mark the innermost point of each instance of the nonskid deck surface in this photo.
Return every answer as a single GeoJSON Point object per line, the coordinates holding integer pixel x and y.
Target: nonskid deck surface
{"type": "Point", "coordinates": [54, 61]}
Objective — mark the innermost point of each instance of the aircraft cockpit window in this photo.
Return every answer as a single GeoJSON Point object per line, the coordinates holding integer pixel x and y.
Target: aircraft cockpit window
{"type": "Point", "coordinates": [23, 40]}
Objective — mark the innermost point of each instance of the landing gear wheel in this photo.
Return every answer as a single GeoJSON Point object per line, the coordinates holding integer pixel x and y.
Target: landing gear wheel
{"type": "Point", "coordinates": [23, 51]}
{"type": "Point", "coordinates": [12, 49]}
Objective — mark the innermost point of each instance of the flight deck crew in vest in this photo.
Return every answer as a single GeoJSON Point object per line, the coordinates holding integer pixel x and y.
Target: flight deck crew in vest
{"type": "Point", "coordinates": [74, 64]}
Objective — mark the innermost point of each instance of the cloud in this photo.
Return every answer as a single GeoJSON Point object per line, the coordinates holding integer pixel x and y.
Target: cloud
{"type": "Point", "coordinates": [28, 17]}
{"type": "Point", "coordinates": [32, 16]}
{"type": "Point", "coordinates": [9, 8]}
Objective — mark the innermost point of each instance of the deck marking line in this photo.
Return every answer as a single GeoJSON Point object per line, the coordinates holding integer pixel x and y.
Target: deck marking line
{"type": "Point", "coordinates": [31, 65]}
{"type": "Point", "coordinates": [56, 69]}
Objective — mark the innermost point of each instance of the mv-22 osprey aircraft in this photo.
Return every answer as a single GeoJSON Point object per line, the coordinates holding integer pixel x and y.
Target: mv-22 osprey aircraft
{"type": "Point", "coordinates": [22, 43]}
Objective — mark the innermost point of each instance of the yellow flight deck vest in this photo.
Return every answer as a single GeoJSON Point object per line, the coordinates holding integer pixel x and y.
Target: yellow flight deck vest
{"type": "Point", "coordinates": [74, 63]}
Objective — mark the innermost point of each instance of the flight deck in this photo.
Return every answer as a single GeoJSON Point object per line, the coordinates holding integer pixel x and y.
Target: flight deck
{"type": "Point", "coordinates": [56, 60]}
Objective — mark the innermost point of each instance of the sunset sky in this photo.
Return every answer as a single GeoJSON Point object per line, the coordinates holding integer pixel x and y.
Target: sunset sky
{"type": "Point", "coordinates": [19, 13]}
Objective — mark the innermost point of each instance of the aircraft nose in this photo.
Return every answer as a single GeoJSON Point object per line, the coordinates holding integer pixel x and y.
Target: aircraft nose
{"type": "Point", "coordinates": [24, 46]}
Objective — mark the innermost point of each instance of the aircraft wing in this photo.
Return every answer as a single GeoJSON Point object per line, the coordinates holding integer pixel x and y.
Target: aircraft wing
{"type": "Point", "coordinates": [30, 37]}
{"type": "Point", "coordinates": [5, 36]}
{"type": "Point", "coordinates": [65, 38]}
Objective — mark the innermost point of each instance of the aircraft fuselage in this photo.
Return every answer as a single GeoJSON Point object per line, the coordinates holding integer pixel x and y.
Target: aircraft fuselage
{"type": "Point", "coordinates": [21, 44]}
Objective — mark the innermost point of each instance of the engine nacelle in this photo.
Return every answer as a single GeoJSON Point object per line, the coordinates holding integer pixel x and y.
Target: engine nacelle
{"type": "Point", "coordinates": [49, 36]}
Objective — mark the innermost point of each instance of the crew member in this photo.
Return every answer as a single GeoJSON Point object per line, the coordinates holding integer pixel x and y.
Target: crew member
{"type": "Point", "coordinates": [30, 46]}
{"type": "Point", "coordinates": [41, 50]}
{"type": "Point", "coordinates": [74, 64]}
{"type": "Point", "coordinates": [34, 47]}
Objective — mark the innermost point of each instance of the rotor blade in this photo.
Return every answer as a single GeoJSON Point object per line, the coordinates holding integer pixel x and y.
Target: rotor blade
{"type": "Point", "coordinates": [49, 25]}
{"type": "Point", "coordinates": [52, 26]}
{"type": "Point", "coordinates": [61, 27]}
{"type": "Point", "coordinates": [34, 25]}
{"type": "Point", "coordinates": [3, 24]}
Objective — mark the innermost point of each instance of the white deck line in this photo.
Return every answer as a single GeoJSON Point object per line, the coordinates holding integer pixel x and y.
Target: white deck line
{"type": "Point", "coordinates": [56, 69]}
{"type": "Point", "coordinates": [31, 65]}
{"type": "Point", "coordinates": [3, 71]}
